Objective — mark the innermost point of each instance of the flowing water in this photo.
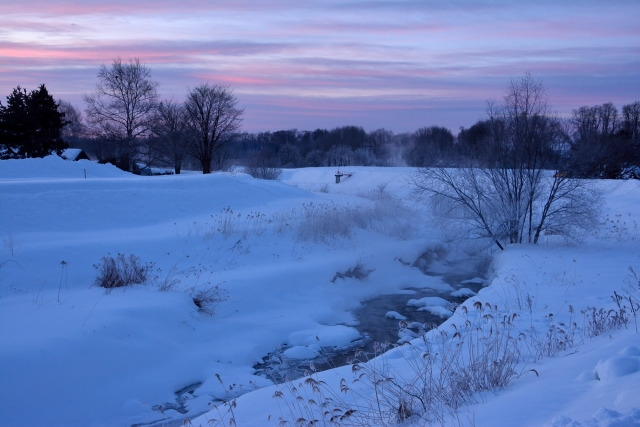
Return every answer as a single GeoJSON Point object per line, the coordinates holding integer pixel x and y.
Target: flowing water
{"type": "Point", "coordinates": [376, 328]}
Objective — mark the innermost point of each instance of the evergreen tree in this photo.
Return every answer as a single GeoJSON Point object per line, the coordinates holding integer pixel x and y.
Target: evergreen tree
{"type": "Point", "coordinates": [30, 124]}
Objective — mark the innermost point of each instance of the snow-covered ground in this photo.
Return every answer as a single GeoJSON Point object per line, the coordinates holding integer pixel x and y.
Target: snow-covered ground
{"type": "Point", "coordinates": [274, 259]}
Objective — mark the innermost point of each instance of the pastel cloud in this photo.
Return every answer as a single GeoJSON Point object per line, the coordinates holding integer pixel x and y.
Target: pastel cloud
{"type": "Point", "coordinates": [397, 64]}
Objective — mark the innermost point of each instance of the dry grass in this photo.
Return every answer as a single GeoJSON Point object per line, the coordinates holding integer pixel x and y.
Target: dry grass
{"type": "Point", "coordinates": [317, 222]}
{"type": "Point", "coordinates": [440, 374]}
{"type": "Point", "coordinates": [358, 272]}
{"type": "Point", "coordinates": [121, 271]}
{"type": "Point", "coordinates": [206, 299]}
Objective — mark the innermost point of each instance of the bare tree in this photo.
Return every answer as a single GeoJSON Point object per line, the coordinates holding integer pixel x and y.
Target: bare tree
{"type": "Point", "coordinates": [122, 107]}
{"type": "Point", "coordinates": [431, 146]}
{"type": "Point", "coordinates": [631, 121]}
{"type": "Point", "coordinates": [170, 125]}
{"type": "Point", "coordinates": [212, 118]}
{"type": "Point", "coordinates": [73, 130]}
{"type": "Point", "coordinates": [516, 196]}
{"type": "Point", "coordinates": [592, 151]}
{"type": "Point", "coordinates": [379, 142]}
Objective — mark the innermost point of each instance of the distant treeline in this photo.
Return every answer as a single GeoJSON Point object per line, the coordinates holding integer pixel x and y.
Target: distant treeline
{"type": "Point", "coordinates": [597, 141]}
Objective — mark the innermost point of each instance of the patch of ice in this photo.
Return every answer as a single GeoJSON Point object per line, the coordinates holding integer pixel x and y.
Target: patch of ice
{"type": "Point", "coordinates": [428, 302]}
{"type": "Point", "coordinates": [475, 280]}
{"type": "Point", "coordinates": [300, 352]}
{"type": "Point", "coordinates": [325, 336]}
{"type": "Point", "coordinates": [434, 305]}
{"type": "Point", "coordinates": [395, 315]}
{"type": "Point", "coordinates": [406, 335]}
{"type": "Point", "coordinates": [463, 292]}
{"type": "Point", "coordinates": [437, 311]}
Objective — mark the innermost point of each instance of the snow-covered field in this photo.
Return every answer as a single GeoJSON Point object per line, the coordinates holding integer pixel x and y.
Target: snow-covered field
{"type": "Point", "coordinates": [273, 260]}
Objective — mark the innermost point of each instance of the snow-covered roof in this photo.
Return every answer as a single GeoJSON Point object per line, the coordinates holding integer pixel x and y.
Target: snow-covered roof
{"type": "Point", "coordinates": [71, 153]}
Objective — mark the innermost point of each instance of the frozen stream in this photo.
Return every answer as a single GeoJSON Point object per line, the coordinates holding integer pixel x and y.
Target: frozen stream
{"type": "Point", "coordinates": [374, 326]}
{"type": "Point", "coordinates": [377, 328]}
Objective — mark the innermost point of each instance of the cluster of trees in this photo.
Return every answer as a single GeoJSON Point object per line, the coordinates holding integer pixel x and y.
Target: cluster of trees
{"type": "Point", "coordinates": [126, 123]}
{"type": "Point", "coordinates": [30, 124]}
{"type": "Point", "coordinates": [125, 115]}
{"type": "Point", "coordinates": [347, 145]}
{"type": "Point", "coordinates": [604, 143]}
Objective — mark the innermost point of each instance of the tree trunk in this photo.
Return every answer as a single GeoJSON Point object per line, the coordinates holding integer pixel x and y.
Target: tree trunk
{"type": "Point", "coordinates": [206, 164]}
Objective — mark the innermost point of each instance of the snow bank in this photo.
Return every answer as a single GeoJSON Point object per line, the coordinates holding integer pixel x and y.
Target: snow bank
{"type": "Point", "coordinates": [185, 202]}
{"type": "Point", "coordinates": [434, 305]}
{"type": "Point", "coordinates": [54, 167]}
{"type": "Point", "coordinates": [462, 293]}
{"type": "Point", "coordinates": [338, 336]}
{"type": "Point", "coordinates": [300, 352]}
{"type": "Point", "coordinates": [626, 363]}
{"type": "Point", "coordinates": [395, 315]}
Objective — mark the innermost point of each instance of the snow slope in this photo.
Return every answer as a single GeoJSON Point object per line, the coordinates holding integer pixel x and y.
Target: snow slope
{"type": "Point", "coordinates": [85, 358]}
{"type": "Point", "coordinates": [268, 254]}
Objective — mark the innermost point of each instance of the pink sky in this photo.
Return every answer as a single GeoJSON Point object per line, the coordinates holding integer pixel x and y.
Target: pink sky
{"type": "Point", "coordinates": [400, 65]}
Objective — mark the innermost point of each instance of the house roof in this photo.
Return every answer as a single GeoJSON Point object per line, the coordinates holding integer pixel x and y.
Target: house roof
{"type": "Point", "coordinates": [71, 153]}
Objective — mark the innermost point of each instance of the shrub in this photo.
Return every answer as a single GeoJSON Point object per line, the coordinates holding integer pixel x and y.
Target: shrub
{"type": "Point", "coordinates": [207, 299]}
{"type": "Point", "coordinates": [264, 172]}
{"type": "Point", "coordinates": [121, 271]}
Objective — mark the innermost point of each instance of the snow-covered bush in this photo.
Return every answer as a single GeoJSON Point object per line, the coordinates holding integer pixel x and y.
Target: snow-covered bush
{"type": "Point", "coordinates": [121, 271]}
